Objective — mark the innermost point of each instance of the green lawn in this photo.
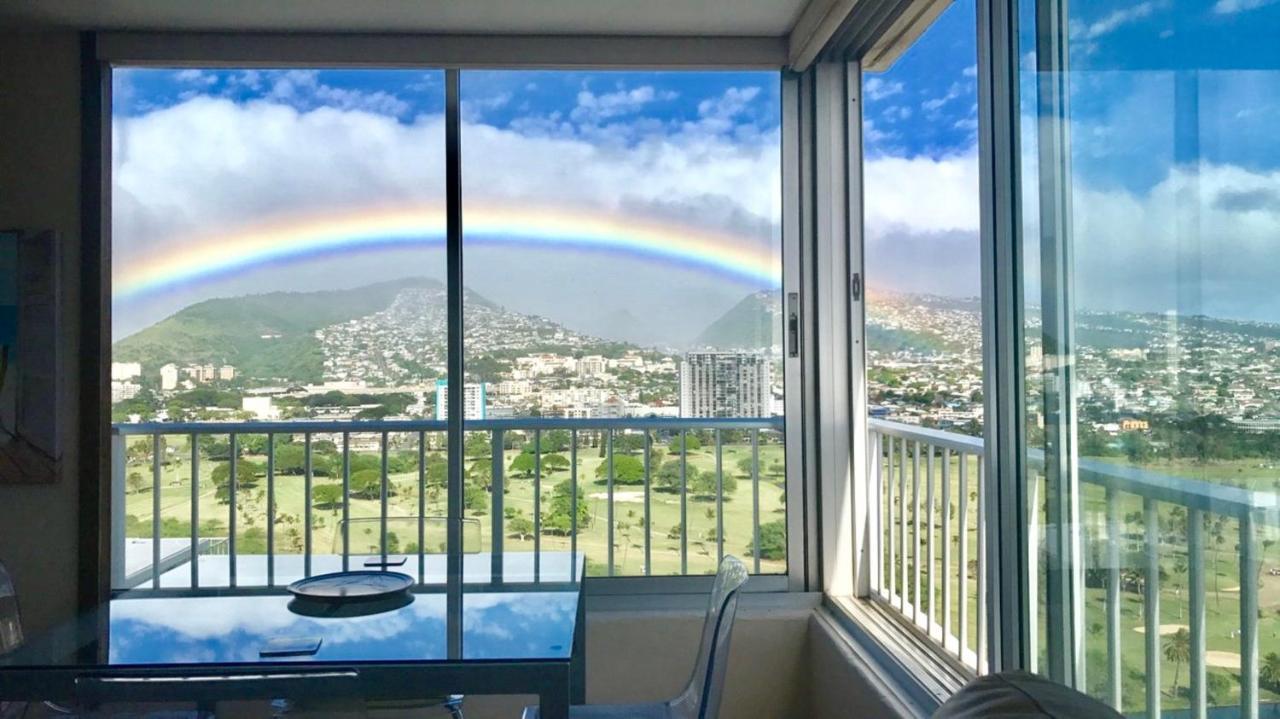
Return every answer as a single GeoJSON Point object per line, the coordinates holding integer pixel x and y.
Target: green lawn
{"type": "Point", "coordinates": [403, 503]}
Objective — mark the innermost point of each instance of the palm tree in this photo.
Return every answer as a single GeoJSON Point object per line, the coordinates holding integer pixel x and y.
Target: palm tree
{"type": "Point", "coordinates": [1177, 649]}
{"type": "Point", "coordinates": [1269, 672]}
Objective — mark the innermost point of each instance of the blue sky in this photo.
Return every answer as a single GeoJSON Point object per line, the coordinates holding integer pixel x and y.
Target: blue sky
{"type": "Point", "coordinates": [1156, 150]}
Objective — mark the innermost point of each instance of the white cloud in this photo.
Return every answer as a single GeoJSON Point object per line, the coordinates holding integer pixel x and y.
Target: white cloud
{"type": "Point", "coordinates": [935, 104]}
{"type": "Point", "coordinates": [593, 109]}
{"type": "Point", "coordinates": [877, 88]}
{"type": "Point", "coordinates": [1227, 7]}
{"type": "Point", "coordinates": [195, 77]}
{"type": "Point", "coordinates": [302, 89]}
{"type": "Point", "coordinates": [211, 165]}
{"type": "Point", "coordinates": [1114, 20]}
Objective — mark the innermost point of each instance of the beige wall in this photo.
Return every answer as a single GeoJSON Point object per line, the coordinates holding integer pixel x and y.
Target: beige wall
{"type": "Point", "coordinates": [39, 189]}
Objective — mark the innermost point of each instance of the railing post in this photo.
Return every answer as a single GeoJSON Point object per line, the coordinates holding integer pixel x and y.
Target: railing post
{"type": "Point", "coordinates": [422, 507]}
{"type": "Point", "coordinates": [1196, 598]}
{"type": "Point", "coordinates": [155, 511]}
{"type": "Point", "coordinates": [609, 494]}
{"type": "Point", "coordinates": [902, 525]}
{"type": "Point", "coordinates": [233, 480]}
{"type": "Point", "coordinates": [306, 504]}
{"type": "Point", "coordinates": [119, 472]}
{"type": "Point", "coordinates": [384, 489]}
{"type": "Point", "coordinates": [346, 501]}
{"type": "Point", "coordinates": [719, 498]}
{"type": "Point", "coordinates": [915, 532]}
{"type": "Point", "coordinates": [1248, 617]}
{"type": "Point", "coordinates": [946, 546]}
{"type": "Point", "coordinates": [573, 502]}
{"type": "Point", "coordinates": [497, 459]}
{"type": "Point", "coordinates": [684, 503]}
{"type": "Point", "coordinates": [271, 510]}
{"type": "Point", "coordinates": [891, 568]}
{"type": "Point", "coordinates": [537, 505]}
{"type": "Point", "coordinates": [648, 487]}
{"type": "Point", "coordinates": [195, 512]}
{"type": "Point", "coordinates": [755, 498]}
{"type": "Point", "coordinates": [962, 518]}
{"type": "Point", "coordinates": [981, 663]}
{"type": "Point", "coordinates": [1114, 663]}
{"type": "Point", "coordinates": [1151, 603]}
{"type": "Point", "coordinates": [929, 608]}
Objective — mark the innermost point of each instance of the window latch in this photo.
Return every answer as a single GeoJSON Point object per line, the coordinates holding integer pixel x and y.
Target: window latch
{"type": "Point", "coordinates": [793, 324]}
{"type": "Point", "coordinates": [855, 286]}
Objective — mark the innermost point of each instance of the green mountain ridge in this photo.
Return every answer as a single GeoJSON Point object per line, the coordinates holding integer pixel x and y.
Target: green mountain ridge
{"type": "Point", "coordinates": [266, 336]}
{"type": "Point", "coordinates": [754, 323]}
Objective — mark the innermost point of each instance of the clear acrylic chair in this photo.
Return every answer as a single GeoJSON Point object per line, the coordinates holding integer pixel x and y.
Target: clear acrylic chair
{"type": "Point", "coordinates": [11, 638]}
{"type": "Point", "coordinates": [701, 696]}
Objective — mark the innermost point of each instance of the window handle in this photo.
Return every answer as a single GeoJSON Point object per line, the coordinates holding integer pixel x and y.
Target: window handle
{"type": "Point", "coordinates": [793, 324]}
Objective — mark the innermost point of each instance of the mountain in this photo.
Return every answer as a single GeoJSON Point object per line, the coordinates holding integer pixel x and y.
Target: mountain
{"type": "Point", "coordinates": [382, 333]}
{"type": "Point", "coordinates": [270, 335]}
{"type": "Point", "coordinates": [754, 323]}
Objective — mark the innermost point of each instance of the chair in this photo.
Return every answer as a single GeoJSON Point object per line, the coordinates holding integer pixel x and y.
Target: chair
{"type": "Point", "coordinates": [701, 696]}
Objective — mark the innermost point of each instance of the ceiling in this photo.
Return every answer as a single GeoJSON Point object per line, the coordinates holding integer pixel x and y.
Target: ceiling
{"type": "Point", "coordinates": [521, 17]}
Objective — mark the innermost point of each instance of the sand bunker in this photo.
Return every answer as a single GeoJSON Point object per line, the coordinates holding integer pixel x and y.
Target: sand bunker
{"type": "Point", "coordinates": [1165, 629]}
{"type": "Point", "coordinates": [628, 496]}
{"type": "Point", "coordinates": [1226, 660]}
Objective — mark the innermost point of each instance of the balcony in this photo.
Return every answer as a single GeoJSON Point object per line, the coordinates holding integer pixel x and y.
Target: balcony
{"type": "Point", "coordinates": [1145, 557]}
{"type": "Point", "coordinates": [305, 516]}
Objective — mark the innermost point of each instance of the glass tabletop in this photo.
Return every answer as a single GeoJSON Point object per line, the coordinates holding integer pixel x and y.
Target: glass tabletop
{"type": "Point", "coordinates": [512, 620]}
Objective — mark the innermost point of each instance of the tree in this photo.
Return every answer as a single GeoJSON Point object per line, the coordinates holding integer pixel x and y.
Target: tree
{"type": "Point", "coordinates": [523, 465]}
{"type": "Point", "coordinates": [1136, 447]}
{"type": "Point", "coordinates": [557, 440]}
{"type": "Point", "coordinates": [521, 528]}
{"type": "Point", "coordinates": [367, 484]}
{"type": "Point", "coordinates": [555, 462]}
{"type": "Point", "coordinates": [475, 499]}
{"type": "Point", "coordinates": [1269, 672]}
{"type": "Point", "coordinates": [136, 482]}
{"type": "Point", "coordinates": [773, 541]}
{"type": "Point", "coordinates": [246, 474]}
{"type": "Point", "coordinates": [477, 445]}
{"type": "Point", "coordinates": [626, 470]}
{"type": "Point", "coordinates": [559, 520]}
{"type": "Point", "coordinates": [481, 474]}
{"type": "Point", "coordinates": [704, 484]}
{"type": "Point", "coordinates": [327, 496]}
{"type": "Point", "coordinates": [1177, 649]}
{"type": "Point", "coordinates": [691, 444]}
{"type": "Point", "coordinates": [745, 465]}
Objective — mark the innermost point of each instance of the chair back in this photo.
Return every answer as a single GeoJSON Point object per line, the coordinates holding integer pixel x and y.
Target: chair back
{"type": "Point", "coordinates": [701, 697]}
{"type": "Point", "coordinates": [10, 619]}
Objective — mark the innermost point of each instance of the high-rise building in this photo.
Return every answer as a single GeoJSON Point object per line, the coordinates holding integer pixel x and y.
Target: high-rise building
{"type": "Point", "coordinates": [473, 400]}
{"type": "Point", "coordinates": [725, 384]}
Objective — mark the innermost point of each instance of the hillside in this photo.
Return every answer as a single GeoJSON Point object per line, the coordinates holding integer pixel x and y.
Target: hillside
{"type": "Point", "coordinates": [752, 324]}
{"type": "Point", "coordinates": [265, 336]}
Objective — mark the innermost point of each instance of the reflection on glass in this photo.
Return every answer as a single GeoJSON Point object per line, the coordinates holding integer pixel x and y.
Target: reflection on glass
{"type": "Point", "coordinates": [1152, 335]}
{"type": "Point", "coordinates": [623, 266]}
{"type": "Point", "coordinates": [924, 329]}
{"type": "Point", "coordinates": [277, 255]}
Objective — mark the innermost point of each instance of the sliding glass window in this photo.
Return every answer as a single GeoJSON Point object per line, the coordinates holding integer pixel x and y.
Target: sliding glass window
{"type": "Point", "coordinates": [623, 268]}
{"type": "Point", "coordinates": [277, 243]}
{"type": "Point", "coordinates": [1151, 206]}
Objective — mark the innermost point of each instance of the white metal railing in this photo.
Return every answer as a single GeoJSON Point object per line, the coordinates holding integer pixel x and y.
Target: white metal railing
{"type": "Point", "coordinates": [602, 434]}
{"type": "Point", "coordinates": [931, 487]}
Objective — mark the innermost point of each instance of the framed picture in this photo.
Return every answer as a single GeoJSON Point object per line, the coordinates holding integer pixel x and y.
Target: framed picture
{"type": "Point", "coordinates": [29, 446]}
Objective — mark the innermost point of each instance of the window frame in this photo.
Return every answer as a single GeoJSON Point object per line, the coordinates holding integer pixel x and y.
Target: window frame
{"type": "Point", "coordinates": [101, 52]}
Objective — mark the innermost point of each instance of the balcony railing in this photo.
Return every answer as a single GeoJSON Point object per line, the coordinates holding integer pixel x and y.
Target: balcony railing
{"type": "Point", "coordinates": [932, 485]}
{"type": "Point", "coordinates": [163, 540]}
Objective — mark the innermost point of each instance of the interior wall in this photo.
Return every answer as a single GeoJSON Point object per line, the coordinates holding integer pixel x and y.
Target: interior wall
{"type": "Point", "coordinates": [39, 189]}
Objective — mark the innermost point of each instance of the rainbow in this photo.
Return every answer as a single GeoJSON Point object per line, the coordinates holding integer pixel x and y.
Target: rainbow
{"type": "Point", "coordinates": [219, 256]}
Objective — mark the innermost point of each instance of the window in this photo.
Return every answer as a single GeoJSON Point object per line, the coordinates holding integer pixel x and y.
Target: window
{"type": "Point", "coordinates": [280, 306]}
{"type": "Point", "coordinates": [623, 273]}
{"type": "Point", "coordinates": [278, 257]}
{"type": "Point", "coordinates": [1151, 330]}
{"type": "Point", "coordinates": [924, 353]}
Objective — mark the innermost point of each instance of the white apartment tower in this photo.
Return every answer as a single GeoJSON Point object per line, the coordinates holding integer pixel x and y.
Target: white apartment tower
{"type": "Point", "coordinates": [725, 384]}
{"type": "Point", "coordinates": [473, 400]}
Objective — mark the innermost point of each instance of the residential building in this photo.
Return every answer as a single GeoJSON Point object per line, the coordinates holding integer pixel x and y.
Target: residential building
{"type": "Point", "coordinates": [474, 402]}
{"type": "Point", "coordinates": [725, 384]}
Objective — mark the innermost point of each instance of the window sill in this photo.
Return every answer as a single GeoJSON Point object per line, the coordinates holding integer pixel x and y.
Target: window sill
{"type": "Point", "coordinates": [907, 662]}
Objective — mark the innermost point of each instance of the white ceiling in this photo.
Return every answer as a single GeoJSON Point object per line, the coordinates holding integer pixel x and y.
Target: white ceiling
{"type": "Point", "coordinates": [533, 17]}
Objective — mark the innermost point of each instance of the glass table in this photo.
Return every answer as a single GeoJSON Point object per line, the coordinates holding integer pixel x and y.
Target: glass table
{"type": "Point", "coordinates": [519, 635]}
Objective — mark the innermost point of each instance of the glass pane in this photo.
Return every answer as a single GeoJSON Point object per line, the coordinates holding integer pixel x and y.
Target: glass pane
{"type": "Point", "coordinates": [924, 328]}
{"type": "Point", "coordinates": [623, 271]}
{"type": "Point", "coordinates": [1152, 328]}
{"type": "Point", "coordinates": [277, 256]}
